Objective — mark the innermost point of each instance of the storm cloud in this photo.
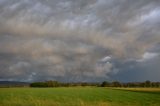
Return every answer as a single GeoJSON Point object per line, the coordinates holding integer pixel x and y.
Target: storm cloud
{"type": "Point", "coordinates": [79, 40]}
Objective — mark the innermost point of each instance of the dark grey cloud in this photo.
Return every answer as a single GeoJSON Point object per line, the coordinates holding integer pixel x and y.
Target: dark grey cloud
{"type": "Point", "coordinates": [79, 40]}
{"type": "Point", "coordinates": [141, 71]}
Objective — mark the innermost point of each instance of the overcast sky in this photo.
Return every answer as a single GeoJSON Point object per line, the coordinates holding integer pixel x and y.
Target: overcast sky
{"type": "Point", "coordinates": [80, 40]}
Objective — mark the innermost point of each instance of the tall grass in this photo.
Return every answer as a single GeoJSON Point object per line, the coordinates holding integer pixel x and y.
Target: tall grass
{"type": "Point", "coordinates": [76, 96]}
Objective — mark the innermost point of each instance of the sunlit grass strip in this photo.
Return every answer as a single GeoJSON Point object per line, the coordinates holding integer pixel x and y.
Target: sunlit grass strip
{"type": "Point", "coordinates": [141, 89]}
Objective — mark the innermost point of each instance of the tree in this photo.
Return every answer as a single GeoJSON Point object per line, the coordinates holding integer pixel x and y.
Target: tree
{"type": "Point", "coordinates": [147, 83]}
{"type": "Point", "coordinates": [116, 84]}
{"type": "Point", "coordinates": [105, 84]}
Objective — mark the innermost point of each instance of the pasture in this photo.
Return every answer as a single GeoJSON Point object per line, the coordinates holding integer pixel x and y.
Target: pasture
{"type": "Point", "coordinates": [78, 96]}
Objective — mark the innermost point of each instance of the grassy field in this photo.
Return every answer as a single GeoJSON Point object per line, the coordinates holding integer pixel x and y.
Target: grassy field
{"type": "Point", "coordinates": [78, 96]}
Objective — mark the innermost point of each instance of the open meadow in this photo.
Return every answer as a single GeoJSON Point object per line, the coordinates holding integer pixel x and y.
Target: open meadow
{"type": "Point", "coordinates": [78, 96]}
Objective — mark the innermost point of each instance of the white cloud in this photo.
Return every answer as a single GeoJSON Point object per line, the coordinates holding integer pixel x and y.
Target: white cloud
{"type": "Point", "coordinates": [147, 56]}
{"type": "Point", "coordinates": [151, 15]}
{"type": "Point", "coordinates": [105, 59]}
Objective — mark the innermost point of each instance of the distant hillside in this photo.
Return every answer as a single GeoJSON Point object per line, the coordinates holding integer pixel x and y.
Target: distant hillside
{"type": "Point", "coordinates": [13, 84]}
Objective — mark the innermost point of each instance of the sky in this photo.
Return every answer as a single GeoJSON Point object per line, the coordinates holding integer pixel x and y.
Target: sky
{"type": "Point", "coordinates": [80, 40]}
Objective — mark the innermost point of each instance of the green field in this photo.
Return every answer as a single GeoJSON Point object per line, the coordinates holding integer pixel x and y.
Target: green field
{"type": "Point", "coordinates": [78, 96]}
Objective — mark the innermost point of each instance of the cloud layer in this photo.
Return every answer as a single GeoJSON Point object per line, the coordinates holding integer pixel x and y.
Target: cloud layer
{"type": "Point", "coordinates": [79, 40]}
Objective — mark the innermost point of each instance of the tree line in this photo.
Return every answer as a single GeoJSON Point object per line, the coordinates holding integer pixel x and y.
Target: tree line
{"type": "Point", "coordinates": [60, 84]}
{"type": "Point", "coordinates": [130, 84]}
{"type": "Point", "coordinates": [103, 84]}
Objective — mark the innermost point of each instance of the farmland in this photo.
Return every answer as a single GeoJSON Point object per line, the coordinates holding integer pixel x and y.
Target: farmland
{"type": "Point", "coordinates": [79, 96]}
